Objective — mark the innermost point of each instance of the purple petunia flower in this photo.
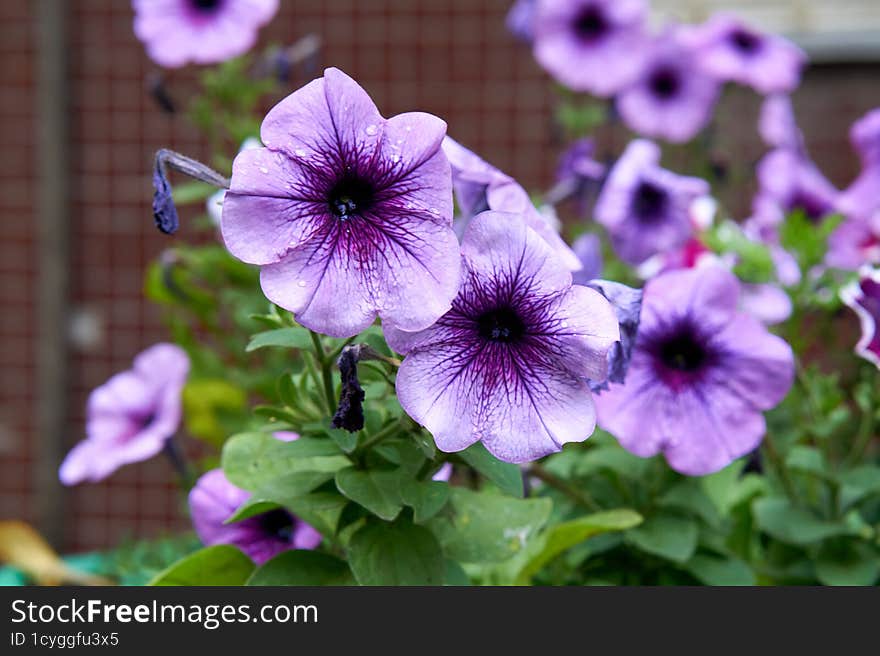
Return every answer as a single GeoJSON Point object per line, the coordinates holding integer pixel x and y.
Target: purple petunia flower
{"type": "Point", "coordinates": [578, 175]}
{"type": "Point", "coordinates": [588, 248]}
{"type": "Point", "coordinates": [701, 375]}
{"type": "Point", "coordinates": [777, 124]}
{"type": "Point", "coordinates": [508, 364]}
{"type": "Point", "coordinates": [214, 499]}
{"type": "Point", "coordinates": [520, 20]}
{"type": "Point", "coordinates": [853, 243]}
{"type": "Point", "coordinates": [788, 181]}
{"type": "Point", "coordinates": [862, 198]}
{"type": "Point", "coordinates": [645, 208]}
{"type": "Point", "coordinates": [348, 214]}
{"type": "Point", "coordinates": [863, 297]}
{"type": "Point", "coordinates": [729, 50]}
{"type": "Point", "coordinates": [480, 186]}
{"type": "Point", "coordinates": [673, 98]}
{"type": "Point", "coordinates": [131, 416]}
{"type": "Point", "coordinates": [597, 46]}
{"type": "Point", "coordinates": [177, 32]}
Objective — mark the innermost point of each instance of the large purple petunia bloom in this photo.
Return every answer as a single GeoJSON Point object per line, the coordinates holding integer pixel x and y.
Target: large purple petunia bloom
{"type": "Point", "coordinates": [730, 50]}
{"type": "Point", "coordinates": [348, 214]}
{"type": "Point", "coordinates": [645, 208]}
{"type": "Point", "coordinates": [673, 99]}
{"type": "Point", "coordinates": [131, 416]}
{"type": "Point", "coordinates": [480, 186]}
{"type": "Point", "coordinates": [701, 375]}
{"type": "Point", "coordinates": [597, 46]}
{"type": "Point", "coordinates": [177, 32]}
{"type": "Point", "coordinates": [862, 198]}
{"type": "Point", "coordinates": [214, 499]}
{"type": "Point", "coordinates": [863, 296]}
{"type": "Point", "coordinates": [508, 364]}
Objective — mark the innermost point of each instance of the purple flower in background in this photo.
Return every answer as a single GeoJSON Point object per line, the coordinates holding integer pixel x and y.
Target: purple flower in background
{"type": "Point", "coordinates": [853, 243]}
{"type": "Point", "coordinates": [788, 181]}
{"type": "Point", "coordinates": [131, 416]}
{"type": "Point", "coordinates": [598, 46]}
{"type": "Point", "coordinates": [700, 377]}
{"type": "Point", "coordinates": [480, 186]}
{"type": "Point", "coordinates": [177, 32]}
{"type": "Point", "coordinates": [645, 208]}
{"type": "Point", "coordinates": [214, 499]}
{"type": "Point", "coordinates": [578, 175]}
{"type": "Point", "coordinates": [862, 198]}
{"type": "Point", "coordinates": [348, 214]}
{"type": "Point", "coordinates": [673, 98]}
{"type": "Point", "coordinates": [729, 50]}
{"type": "Point", "coordinates": [777, 124]}
{"type": "Point", "coordinates": [508, 364]}
{"type": "Point", "coordinates": [521, 20]}
{"type": "Point", "coordinates": [863, 297]}
{"type": "Point", "coordinates": [588, 249]}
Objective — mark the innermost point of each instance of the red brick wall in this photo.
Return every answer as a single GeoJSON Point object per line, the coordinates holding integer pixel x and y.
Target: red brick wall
{"type": "Point", "coordinates": [450, 57]}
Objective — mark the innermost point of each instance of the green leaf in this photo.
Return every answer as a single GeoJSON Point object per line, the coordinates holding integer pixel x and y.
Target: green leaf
{"type": "Point", "coordinates": [206, 401]}
{"type": "Point", "coordinates": [688, 495]}
{"type": "Point", "coordinates": [808, 460]}
{"type": "Point", "coordinates": [717, 570]}
{"type": "Point", "coordinates": [401, 553]}
{"type": "Point", "coordinates": [670, 537]}
{"type": "Point", "coordinates": [303, 567]}
{"type": "Point", "coordinates": [847, 563]}
{"type": "Point", "coordinates": [455, 575]}
{"type": "Point", "coordinates": [561, 537]}
{"type": "Point", "coordinates": [506, 476]}
{"type": "Point", "coordinates": [777, 517]}
{"type": "Point", "coordinates": [220, 564]}
{"type": "Point", "coordinates": [858, 483]}
{"type": "Point", "coordinates": [250, 508]}
{"type": "Point", "coordinates": [320, 509]}
{"type": "Point", "coordinates": [376, 490]}
{"type": "Point", "coordinates": [298, 338]}
{"type": "Point", "coordinates": [344, 440]}
{"type": "Point", "coordinates": [484, 527]}
{"type": "Point", "coordinates": [426, 498]}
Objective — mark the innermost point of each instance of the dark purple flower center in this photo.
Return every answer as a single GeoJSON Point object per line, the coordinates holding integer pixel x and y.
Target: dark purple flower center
{"type": "Point", "coordinates": [745, 41]}
{"type": "Point", "coordinates": [871, 302]}
{"type": "Point", "coordinates": [277, 523]}
{"type": "Point", "coordinates": [682, 352]}
{"type": "Point", "coordinates": [665, 82]}
{"type": "Point", "coordinates": [649, 202]}
{"type": "Point", "coordinates": [590, 24]}
{"type": "Point", "coordinates": [206, 6]}
{"type": "Point", "coordinates": [350, 196]}
{"type": "Point", "coordinates": [501, 324]}
{"type": "Point", "coordinates": [814, 207]}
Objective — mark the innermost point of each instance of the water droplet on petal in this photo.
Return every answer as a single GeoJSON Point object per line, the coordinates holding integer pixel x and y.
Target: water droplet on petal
{"type": "Point", "coordinates": [371, 130]}
{"type": "Point", "coordinates": [263, 169]}
{"type": "Point", "coordinates": [300, 152]}
{"type": "Point", "coordinates": [302, 283]}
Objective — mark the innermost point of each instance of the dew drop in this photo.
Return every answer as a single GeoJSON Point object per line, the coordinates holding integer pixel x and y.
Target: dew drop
{"type": "Point", "coordinates": [300, 152]}
{"type": "Point", "coordinates": [302, 283]}
{"type": "Point", "coordinates": [263, 169]}
{"type": "Point", "coordinates": [371, 130]}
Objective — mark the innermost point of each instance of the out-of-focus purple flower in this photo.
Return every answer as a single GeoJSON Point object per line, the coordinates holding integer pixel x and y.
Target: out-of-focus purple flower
{"type": "Point", "coordinates": [854, 243]}
{"type": "Point", "coordinates": [521, 20]}
{"type": "Point", "coordinates": [730, 50]}
{"type": "Point", "coordinates": [214, 499]}
{"type": "Point", "coordinates": [578, 175]}
{"type": "Point", "coordinates": [627, 304]}
{"type": "Point", "coordinates": [177, 32]}
{"type": "Point", "coordinates": [444, 473]}
{"type": "Point", "coordinates": [480, 186]}
{"type": "Point", "coordinates": [700, 377]}
{"type": "Point", "coordinates": [348, 214]}
{"type": "Point", "coordinates": [863, 297]}
{"type": "Point", "coordinates": [777, 124]}
{"type": "Point", "coordinates": [767, 302]}
{"type": "Point", "coordinates": [788, 181]}
{"type": "Point", "coordinates": [645, 208]}
{"type": "Point", "coordinates": [131, 416]}
{"type": "Point", "coordinates": [598, 46]}
{"type": "Point", "coordinates": [862, 198]}
{"type": "Point", "coordinates": [673, 99]}
{"type": "Point", "coordinates": [508, 364]}
{"type": "Point", "coordinates": [588, 248]}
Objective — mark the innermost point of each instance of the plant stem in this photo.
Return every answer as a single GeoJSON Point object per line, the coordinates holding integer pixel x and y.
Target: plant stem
{"type": "Point", "coordinates": [578, 496]}
{"type": "Point", "coordinates": [374, 439]}
{"type": "Point", "coordinates": [326, 371]}
{"type": "Point", "coordinates": [774, 457]}
{"type": "Point", "coordinates": [863, 437]}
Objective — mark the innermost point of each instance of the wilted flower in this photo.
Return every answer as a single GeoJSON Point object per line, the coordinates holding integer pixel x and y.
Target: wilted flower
{"type": "Point", "coordinates": [214, 500]}
{"type": "Point", "coordinates": [177, 32]}
{"type": "Point", "coordinates": [597, 46]}
{"type": "Point", "coordinates": [673, 98]}
{"type": "Point", "coordinates": [862, 198]}
{"type": "Point", "coordinates": [863, 296]}
{"type": "Point", "coordinates": [701, 375]}
{"type": "Point", "coordinates": [348, 214]}
{"type": "Point", "coordinates": [508, 364]}
{"type": "Point", "coordinates": [731, 51]}
{"type": "Point", "coordinates": [131, 416]}
{"type": "Point", "coordinates": [480, 186]}
{"type": "Point", "coordinates": [645, 208]}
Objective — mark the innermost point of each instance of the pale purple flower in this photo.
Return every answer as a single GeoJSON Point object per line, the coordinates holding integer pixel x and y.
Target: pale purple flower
{"type": "Point", "coordinates": [131, 416]}
{"type": "Point", "coordinates": [863, 297]}
{"type": "Point", "coordinates": [588, 249]}
{"type": "Point", "coordinates": [444, 473]}
{"type": "Point", "coordinates": [788, 181]}
{"type": "Point", "coordinates": [214, 204]}
{"type": "Point", "coordinates": [646, 208]}
{"type": "Point", "coordinates": [508, 364]}
{"type": "Point", "coordinates": [348, 214]}
{"type": "Point", "coordinates": [177, 32]}
{"type": "Point", "coordinates": [520, 20]}
{"type": "Point", "coordinates": [700, 377]}
{"type": "Point", "coordinates": [480, 186]}
{"type": "Point", "coordinates": [767, 302]}
{"type": "Point", "coordinates": [578, 175]}
{"type": "Point", "coordinates": [730, 50]}
{"type": "Point", "coordinates": [855, 242]}
{"type": "Point", "coordinates": [777, 124]}
{"type": "Point", "coordinates": [214, 500]}
{"type": "Point", "coordinates": [673, 99]}
{"type": "Point", "coordinates": [862, 198]}
{"type": "Point", "coordinates": [598, 46]}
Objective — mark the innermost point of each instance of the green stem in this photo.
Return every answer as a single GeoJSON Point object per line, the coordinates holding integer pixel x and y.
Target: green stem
{"type": "Point", "coordinates": [774, 456]}
{"type": "Point", "coordinates": [374, 439]}
{"type": "Point", "coordinates": [863, 437]}
{"type": "Point", "coordinates": [326, 371]}
{"type": "Point", "coordinates": [580, 497]}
